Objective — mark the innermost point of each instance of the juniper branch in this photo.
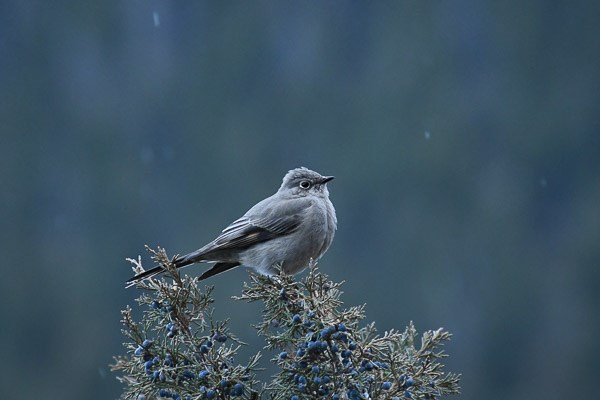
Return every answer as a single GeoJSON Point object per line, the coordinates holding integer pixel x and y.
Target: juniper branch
{"type": "Point", "coordinates": [178, 350]}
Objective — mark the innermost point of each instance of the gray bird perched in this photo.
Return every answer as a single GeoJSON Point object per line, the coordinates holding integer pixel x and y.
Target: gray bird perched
{"type": "Point", "coordinates": [287, 231]}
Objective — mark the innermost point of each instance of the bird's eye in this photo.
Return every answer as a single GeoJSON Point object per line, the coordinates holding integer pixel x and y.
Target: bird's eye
{"type": "Point", "coordinates": [305, 184]}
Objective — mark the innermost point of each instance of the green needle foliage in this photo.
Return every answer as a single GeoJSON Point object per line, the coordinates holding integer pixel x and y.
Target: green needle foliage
{"type": "Point", "coordinates": [179, 351]}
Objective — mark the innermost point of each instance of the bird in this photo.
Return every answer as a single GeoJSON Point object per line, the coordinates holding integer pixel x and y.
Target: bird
{"type": "Point", "coordinates": [284, 232]}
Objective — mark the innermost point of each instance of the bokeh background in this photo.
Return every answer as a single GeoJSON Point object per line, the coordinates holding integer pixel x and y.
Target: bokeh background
{"type": "Point", "coordinates": [464, 136]}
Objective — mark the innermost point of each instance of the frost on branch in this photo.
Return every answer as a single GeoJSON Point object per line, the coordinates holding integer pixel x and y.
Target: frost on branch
{"type": "Point", "coordinates": [323, 351]}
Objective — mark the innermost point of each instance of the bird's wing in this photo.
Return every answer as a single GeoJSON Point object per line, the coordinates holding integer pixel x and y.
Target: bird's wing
{"type": "Point", "coordinates": [255, 227]}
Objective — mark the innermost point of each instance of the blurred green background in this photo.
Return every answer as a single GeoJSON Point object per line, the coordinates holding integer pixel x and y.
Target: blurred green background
{"type": "Point", "coordinates": [464, 136]}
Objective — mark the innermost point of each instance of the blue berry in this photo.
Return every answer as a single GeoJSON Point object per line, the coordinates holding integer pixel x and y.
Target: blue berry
{"type": "Point", "coordinates": [317, 380]}
{"type": "Point", "coordinates": [315, 369]}
{"type": "Point", "coordinates": [312, 346]}
{"type": "Point", "coordinates": [172, 329]}
{"type": "Point", "coordinates": [224, 383]}
{"type": "Point", "coordinates": [155, 305]}
{"type": "Point", "coordinates": [341, 327]}
{"type": "Point", "coordinates": [220, 337]}
{"type": "Point", "coordinates": [283, 355]}
{"type": "Point", "coordinates": [163, 393]}
{"type": "Point", "coordinates": [155, 376]}
{"type": "Point", "coordinates": [407, 394]}
{"type": "Point", "coordinates": [346, 353]}
{"type": "Point", "coordinates": [203, 374]}
{"type": "Point", "coordinates": [336, 397]}
{"type": "Point", "coordinates": [326, 379]}
{"type": "Point", "coordinates": [409, 382]}
{"type": "Point", "coordinates": [311, 314]}
{"type": "Point", "coordinates": [352, 346]}
{"type": "Point", "coordinates": [139, 351]}
{"type": "Point", "coordinates": [300, 352]}
{"type": "Point", "coordinates": [148, 364]}
{"type": "Point", "coordinates": [210, 394]}
{"type": "Point", "coordinates": [325, 333]}
{"type": "Point", "coordinates": [204, 349]}
{"type": "Point", "coordinates": [147, 343]}
{"type": "Point", "coordinates": [386, 385]}
{"type": "Point", "coordinates": [302, 379]}
{"type": "Point", "coordinates": [209, 344]}
{"type": "Point", "coordinates": [302, 387]}
{"type": "Point", "coordinates": [238, 389]}
{"type": "Point", "coordinates": [294, 397]}
{"type": "Point", "coordinates": [297, 319]}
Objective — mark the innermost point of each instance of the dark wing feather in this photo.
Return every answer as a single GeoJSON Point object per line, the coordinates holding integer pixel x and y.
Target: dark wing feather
{"type": "Point", "coordinates": [250, 229]}
{"type": "Point", "coordinates": [217, 269]}
{"type": "Point", "coordinates": [246, 232]}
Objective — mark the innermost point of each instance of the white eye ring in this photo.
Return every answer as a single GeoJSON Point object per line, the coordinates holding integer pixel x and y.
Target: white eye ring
{"type": "Point", "coordinates": [305, 184]}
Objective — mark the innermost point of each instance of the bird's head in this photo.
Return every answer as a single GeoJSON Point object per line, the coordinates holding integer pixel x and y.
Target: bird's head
{"type": "Point", "coordinates": [303, 181]}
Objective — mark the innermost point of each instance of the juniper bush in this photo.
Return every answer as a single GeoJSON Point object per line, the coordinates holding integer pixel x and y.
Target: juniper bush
{"type": "Point", "coordinates": [322, 350]}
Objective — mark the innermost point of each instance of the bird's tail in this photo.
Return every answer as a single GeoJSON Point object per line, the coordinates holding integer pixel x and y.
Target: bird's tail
{"type": "Point", "coordinates": [178, 263]}
{"type": "Point", "coordinates": [218, 268]}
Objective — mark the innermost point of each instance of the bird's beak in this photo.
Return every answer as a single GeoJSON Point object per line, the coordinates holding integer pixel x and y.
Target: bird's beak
{"type": "Point", "coordinates": [327, 179]}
